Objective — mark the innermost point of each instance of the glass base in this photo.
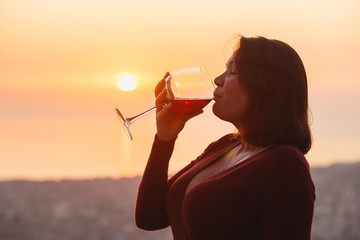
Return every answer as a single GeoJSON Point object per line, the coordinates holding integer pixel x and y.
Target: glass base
{"type": "Point", "coordinates": [125, 123]}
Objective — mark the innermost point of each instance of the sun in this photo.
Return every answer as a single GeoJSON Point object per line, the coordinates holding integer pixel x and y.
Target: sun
{"type": "Point", "coordinates": [127, 83]}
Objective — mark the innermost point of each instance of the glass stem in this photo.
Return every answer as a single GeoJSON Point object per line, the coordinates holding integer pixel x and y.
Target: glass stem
{"type": "Point", "coordinates": [132, 119]}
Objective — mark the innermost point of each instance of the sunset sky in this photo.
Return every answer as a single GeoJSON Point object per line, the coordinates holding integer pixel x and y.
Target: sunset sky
{"type": "Point", "coordinates": [61, 60]}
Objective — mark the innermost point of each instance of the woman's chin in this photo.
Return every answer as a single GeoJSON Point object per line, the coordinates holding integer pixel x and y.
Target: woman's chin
{"type": "Point", "coordinates": [217, 110]}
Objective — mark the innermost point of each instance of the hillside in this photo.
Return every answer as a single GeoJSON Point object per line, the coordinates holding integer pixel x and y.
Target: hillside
{"type": "Point", "coordinates": [104, 208]}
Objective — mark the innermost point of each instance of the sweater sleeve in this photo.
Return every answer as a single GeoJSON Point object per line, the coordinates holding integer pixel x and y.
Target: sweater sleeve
{"type": "Point", "coordinates": [150, 210]}
{"type": "Point", "coordinates": [288, 203]}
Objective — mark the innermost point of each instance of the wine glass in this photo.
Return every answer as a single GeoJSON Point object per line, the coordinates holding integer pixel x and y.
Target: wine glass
{"type": "Point", "coordinates": [188, 89]}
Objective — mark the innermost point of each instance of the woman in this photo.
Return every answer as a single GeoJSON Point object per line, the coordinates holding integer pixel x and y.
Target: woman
{"type": "Point", "coordinates": [255, 184]}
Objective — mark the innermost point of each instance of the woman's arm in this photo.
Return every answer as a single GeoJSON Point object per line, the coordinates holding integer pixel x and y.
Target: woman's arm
{"type": "Point", "coordinates": [150, 210]}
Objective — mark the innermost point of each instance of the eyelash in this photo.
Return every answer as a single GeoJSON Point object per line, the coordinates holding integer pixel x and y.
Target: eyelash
{"type": "Point", "coordinates": [231, 72]}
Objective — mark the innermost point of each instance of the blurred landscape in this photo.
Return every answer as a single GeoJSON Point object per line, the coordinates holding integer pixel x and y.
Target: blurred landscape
{"type": "Point", "coordinates": [104, 208]}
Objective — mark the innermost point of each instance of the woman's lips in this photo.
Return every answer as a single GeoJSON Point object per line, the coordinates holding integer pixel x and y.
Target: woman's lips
{"type": "Point", "coordinates": [216, 96]}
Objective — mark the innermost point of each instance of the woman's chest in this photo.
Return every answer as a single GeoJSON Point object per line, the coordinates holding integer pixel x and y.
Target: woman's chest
{"type": "Point", "coordinates": [209, 189]}
{"type": "Point", "coordinates": [229, 203]}
{"type": "Point", "coordinates": [206, 173]}
{"type": "Point", "coordinates": [230, 191]}
{"type": "Point", "coordinates": [226, 200]}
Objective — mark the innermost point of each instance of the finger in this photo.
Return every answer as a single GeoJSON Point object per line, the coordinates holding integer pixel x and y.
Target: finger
{"type": "Point", "coordinates": [166, 75]}
{"type": "Point", "coordinates": [161, 84]}
{"type": "Point", "coordinates": [161, 98]}
{"type": "Point", "coordinates": [159, 87]}
{"type": "Point", "coordinates": [165, 109]}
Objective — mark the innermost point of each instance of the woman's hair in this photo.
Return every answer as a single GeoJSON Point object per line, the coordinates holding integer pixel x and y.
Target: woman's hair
{"type": "Point", "coordinates": [275, 78]}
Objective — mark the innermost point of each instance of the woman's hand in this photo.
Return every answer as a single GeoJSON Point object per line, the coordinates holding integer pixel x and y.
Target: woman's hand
{"type": "Point", "coordinates": [169, 122]}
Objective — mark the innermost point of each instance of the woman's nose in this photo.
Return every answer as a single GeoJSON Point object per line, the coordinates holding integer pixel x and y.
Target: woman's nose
{"type": "Point", "coordinates": [219, 80]}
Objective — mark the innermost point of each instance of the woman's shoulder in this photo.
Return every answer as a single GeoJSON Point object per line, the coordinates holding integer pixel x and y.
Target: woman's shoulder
{"type": "Point", "coordinates": [287, 156]}
{"type": "Point", "coordinates": [287, 168]}
{"type": "Point", "coordinates": [286, 149]}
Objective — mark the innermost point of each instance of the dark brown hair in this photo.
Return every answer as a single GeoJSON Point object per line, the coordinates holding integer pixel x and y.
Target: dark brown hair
{"type": "Point", "coordinates": [275, 78]}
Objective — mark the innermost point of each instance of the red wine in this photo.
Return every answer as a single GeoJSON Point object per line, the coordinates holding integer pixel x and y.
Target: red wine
{"type": "Point", "coordinates": [189, 105]}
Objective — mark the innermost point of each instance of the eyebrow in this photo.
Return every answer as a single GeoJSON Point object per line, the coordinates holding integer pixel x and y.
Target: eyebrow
{"type": "Point", "coordinates": [229, 63]}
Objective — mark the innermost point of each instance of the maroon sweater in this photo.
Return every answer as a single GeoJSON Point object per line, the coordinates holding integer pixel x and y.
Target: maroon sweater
{"type": "Point", "coordinates": [269, 196]}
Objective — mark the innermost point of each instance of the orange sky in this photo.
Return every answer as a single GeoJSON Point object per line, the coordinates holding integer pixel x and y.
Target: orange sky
{"type": "Point", "coordinates": [60, 62]}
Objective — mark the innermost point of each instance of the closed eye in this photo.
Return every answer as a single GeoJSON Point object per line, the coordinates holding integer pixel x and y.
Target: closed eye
{"type": "Point", "coordinates": [229, 69]}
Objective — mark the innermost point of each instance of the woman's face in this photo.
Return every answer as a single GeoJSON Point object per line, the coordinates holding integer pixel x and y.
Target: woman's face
{"type": "Point", "coordinates": [231, 99]}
